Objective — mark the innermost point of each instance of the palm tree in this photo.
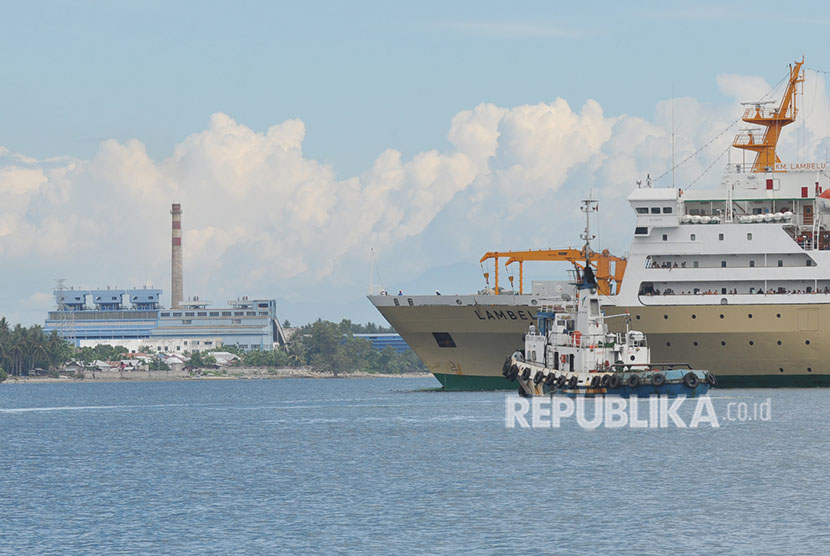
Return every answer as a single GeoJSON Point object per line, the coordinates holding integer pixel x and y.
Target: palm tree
{"type": "Point", "coordinates": [3, 364]}
{"type": "Point", "coordinates": [36, 344]}
{"type": "Point", "coordinates": [58, 349]}
{"type": "Point", "coordinates": [17, 359]}
{"type": "Point", "coordinates": [296, 354]}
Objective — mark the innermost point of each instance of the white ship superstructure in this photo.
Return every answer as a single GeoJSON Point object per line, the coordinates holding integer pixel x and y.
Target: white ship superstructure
{"type": "Point", "coordinates": [761, 239]}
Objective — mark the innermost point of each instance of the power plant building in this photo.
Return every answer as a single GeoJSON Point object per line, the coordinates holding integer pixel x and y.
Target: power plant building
{"type": "Point", "coordinates": [135, 318]}
{"type": "Point", "coordinates": [98, 314]}
{"type": "Point", "coordinates": [248, 324]}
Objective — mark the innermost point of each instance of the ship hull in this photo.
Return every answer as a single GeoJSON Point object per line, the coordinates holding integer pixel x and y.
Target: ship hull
{"type": "Point", "coordinates": [476, 334]}
{"type": "Point", "coordinates": [744, 346]}
{"type": "Point", "coordinates": [705, 340]}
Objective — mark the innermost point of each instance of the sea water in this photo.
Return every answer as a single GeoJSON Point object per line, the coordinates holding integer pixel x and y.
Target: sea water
{"type": "Point", "coordinates": [389, 466]}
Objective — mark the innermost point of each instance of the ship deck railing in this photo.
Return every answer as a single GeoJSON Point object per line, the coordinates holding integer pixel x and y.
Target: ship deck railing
{"type": "Point", "coordinates": [650, 366]}
{"type": "Point", "coordinates": [733, 299]}
{"type": "Point", "coordinates": [755, 113]}
{"type": "Point", "coordinates": [585, 340]}
{"type": "Point", "coordinates": [739, 168]}
{"type": "Point", "coordinates": [771, 291]}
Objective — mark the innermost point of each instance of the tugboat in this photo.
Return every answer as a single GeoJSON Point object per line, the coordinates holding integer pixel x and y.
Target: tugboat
{"type": "Point", "coordinates": [569, 350]}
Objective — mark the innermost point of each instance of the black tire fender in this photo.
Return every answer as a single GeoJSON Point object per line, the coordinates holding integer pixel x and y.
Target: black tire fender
{"type": "Point", "coordinates": [691, 380]}
{"type": "Point", "coordinates": [505, 369]}
{"type": "Point", "coordinates": [658, 379]}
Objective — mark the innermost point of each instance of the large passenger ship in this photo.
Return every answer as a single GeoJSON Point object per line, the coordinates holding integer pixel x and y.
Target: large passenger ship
{"type": "Point", "coordinates": [734, 279]}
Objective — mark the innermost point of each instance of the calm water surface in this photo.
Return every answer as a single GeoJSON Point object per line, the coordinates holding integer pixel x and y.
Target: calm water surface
{"type": "Point", "coordinates": [383, 466]}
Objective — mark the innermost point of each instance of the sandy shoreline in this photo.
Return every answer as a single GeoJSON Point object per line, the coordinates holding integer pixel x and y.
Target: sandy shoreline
{"type": "Point", "coordinates": [235, 373]}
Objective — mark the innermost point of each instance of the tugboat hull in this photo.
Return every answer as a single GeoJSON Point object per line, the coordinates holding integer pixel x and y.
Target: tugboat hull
{"type": "Point", "coordinates": [536, 380]}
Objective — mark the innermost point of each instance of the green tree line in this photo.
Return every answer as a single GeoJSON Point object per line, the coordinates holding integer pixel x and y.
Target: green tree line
{"type": "Point", "coordinates": [26, 348]}
{"type": "Point", "coordinates": [331, 347]}
{"type": "Point", "coordinates": [100, 352]}
{"type": "Point", "coordinates": [322, 345]}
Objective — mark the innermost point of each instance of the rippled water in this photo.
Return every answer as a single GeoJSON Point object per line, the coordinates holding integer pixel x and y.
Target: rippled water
{"type": "Point", "coordinates": [382, 466]}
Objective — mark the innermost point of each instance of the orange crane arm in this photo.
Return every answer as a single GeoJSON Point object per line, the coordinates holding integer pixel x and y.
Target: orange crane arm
{"type": "Point", "coordinates": [601, 262]}
{"type": "Point", "coordinates": [538, 255]}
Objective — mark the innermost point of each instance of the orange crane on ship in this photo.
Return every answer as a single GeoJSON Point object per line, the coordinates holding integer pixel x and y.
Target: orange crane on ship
{"type": "Point", "coordinates": [608, 280]}
{"type": "Point", "coordinates": [773, 119]}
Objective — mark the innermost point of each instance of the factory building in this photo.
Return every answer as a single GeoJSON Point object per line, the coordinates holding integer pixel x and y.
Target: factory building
{"type": "Point", "coordinates": [104, 314]}
{"type": "Point", "coordinates": [247, 324]}
{"type": "Point", "coordinates": [150, 345]}
{"type": "Point", "coordinates": [133, 318]}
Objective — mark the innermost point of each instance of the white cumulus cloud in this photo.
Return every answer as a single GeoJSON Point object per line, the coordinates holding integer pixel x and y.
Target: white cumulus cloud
{"type": "Point", "coordinates": [261, 218]}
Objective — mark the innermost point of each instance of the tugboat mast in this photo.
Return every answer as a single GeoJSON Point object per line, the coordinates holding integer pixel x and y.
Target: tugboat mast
{"type": "Point", "coordinates": [588, 206]}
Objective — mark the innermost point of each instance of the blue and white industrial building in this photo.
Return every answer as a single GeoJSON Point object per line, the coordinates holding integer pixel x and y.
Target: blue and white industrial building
{"type": "Point", "coordinates": [134, 318]}
{"type": "Point", "coordinates": [381, 341]}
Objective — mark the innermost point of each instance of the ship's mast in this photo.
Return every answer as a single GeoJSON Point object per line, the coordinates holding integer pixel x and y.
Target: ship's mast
{"type": "Point", "coordinates": [773, 119]}
{"type": "Point", "coordinates": [588, 206]}
{"type": "Point", "coordinates": [588, 278]}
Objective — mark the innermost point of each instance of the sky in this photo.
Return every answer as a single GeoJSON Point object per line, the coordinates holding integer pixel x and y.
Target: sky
{"type": "Point", "coordinates": [304, 139]}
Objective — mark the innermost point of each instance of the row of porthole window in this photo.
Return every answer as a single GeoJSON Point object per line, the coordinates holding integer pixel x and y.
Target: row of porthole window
{"type": "Point", "coordinates": [694, 316]}
{"type": "Point", "coordinates": [751, 342]}
{"type": "Point", "coordinates": [696, 264]}
{"type": "Point", "coordinates": [693, 237]}
{"type": "Point", "coordinates": [780, 369]}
